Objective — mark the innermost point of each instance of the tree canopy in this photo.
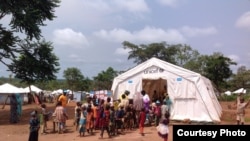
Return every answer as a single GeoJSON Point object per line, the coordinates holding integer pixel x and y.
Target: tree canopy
{"type": "Point", "coordinates": [216, 67]}
{"type": "Point", "coordinates": [25, 20]}
{"type": "Point", "coordinates": [104, 79]}
{"type": "Point", "coordinates": [38, 64]}
{"type": "Point", "coordinates": [74, 78]}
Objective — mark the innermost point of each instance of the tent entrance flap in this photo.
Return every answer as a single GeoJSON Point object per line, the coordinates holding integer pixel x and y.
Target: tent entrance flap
{"type": "Point", "coordinates": [158, 85]}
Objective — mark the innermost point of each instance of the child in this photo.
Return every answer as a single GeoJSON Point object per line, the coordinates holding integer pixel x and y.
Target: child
{"type": "Point", "coordinates": [119, 119]}
{"type": "Point", "coordinates": [77, 114]}
{"type": "Point", "coordinates": [90, 120]}
{"type": "Point", "coordinates": [157, 112]}
{"type": "Point", "coordinates": [164, 109]}
{"type": "Point", "coordinates": [60, 116]}
{"type": "Point", "coordinates": [34, 127]}
{"type": "Point", "coordinates": [162, 128]}
{"type": "Point", "coordinates": [112, 126]}
{"type": "Point", "coordinates": [142, 119]}
{"type": "Point", "coordinates": [44, 117]}
{"type": "Point", "coordinates": [241, 106]}
{"type": "Point", "coordinates": [105, 119]}
{"type": "Point", "coordinates": [82, 123]}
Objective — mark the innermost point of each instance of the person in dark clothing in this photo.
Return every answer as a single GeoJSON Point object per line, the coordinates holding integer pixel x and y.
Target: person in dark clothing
{"type": "Point", "coordinates": [14, 117]}
{"type": "Point", "coordinates": [105, 119]}
{"type": "Point", "coordinates": [34, 127]}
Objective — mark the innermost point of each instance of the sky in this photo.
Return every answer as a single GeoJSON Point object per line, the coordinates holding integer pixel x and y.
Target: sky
{"type": "Point", "coordinates": [88, 34]}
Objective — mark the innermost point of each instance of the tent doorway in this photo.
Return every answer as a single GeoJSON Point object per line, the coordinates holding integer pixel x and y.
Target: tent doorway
{"type": "Point", "coordinates": [158, 85]}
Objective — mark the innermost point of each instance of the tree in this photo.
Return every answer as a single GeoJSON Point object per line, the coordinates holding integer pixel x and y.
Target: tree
{"type": "Point", "coordinates": [242, 78]}
{"type": "Point", "coordinates": [103, 81]}
{"type": "Point", "coordinates": [26, 17]}
{"type": "Point", "coordinates": [177, 54]}
{"type": "Point", "coordinates": [141, 53]}
{"type": "Point", "coordinates": [185, 56]}
{"type": "Point", "coordinates": [38, 64]}
{"type": "Point", "coordinates": [74, 78]}
{"type": "Point", "coordinates": [217, 68]}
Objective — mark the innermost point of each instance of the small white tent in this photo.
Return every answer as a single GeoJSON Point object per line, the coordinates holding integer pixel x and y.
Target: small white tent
{"type": "Point", "coordinates": [241, 90]}
{"type": "Point", "coordinates": [193, 95]}
{"type": "Point", "coordinates": [33, 89]}
{"type": "Point", "coordinates": [57, 92]}
{"type": "Point", "coordinates": [228, 92]}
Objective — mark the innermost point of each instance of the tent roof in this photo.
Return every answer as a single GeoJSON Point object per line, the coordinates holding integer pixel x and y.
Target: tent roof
{"type": "Point", "coordinates": [228, 92]}
{"type": "Point", "coordinates": [241, 90]}
{"type": "Point", "coordinates": [33, 89]}
{"type": "Point", "coordinates": [179, 71]}
{"type": "Point", "coordinates": [57, 92]}
{"type": "Point", "coordinates": [10, 89]}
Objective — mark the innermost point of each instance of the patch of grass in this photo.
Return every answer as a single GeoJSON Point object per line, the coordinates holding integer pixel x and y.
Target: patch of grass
{"type": "Point", "coordinates": [247, 119]}
{"type": "Point", "coordinates": [228, 119]}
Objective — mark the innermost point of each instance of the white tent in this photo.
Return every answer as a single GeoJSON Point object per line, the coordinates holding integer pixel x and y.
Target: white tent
{"type": "Point", "coordinates": [228, 92]}
{"type": "Point", "coordinates": [8, 89]}
{"type": "Point", "coordinates": [33, 89]}
{"type": "Point", "coordinates": [57, 92]}
{"type": "Point", "coordinates": [193, 95]}
{"type": "Point", "coordinates": [241, 90]}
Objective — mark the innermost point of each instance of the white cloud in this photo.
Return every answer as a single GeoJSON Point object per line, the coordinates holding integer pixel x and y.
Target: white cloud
{"type": "Point", "coordinates": [234, 58]}
{"type": "Point", "coordinates": [121, 51]}
{"type": "Point", "coordinates": [146, 35]}
{"type": "Point", "coordinates": [115, 35]}
{"type": "Point", "coordinates": [76, 58]}
{"type": "Point", "coordinates": [244, 21]}
{"type": "Point", "coordinates": [194, 31]}
{"type": "Point", "coordinates": [171, 3]}
{"type": "Point", "coordinates": [132, 5]}
{"type": "Point", "coordinates": [218, 45]}
{"type": "Point", "coordinates": [68, 37]}
{"type": "Point", "coordinates": [103, 6]}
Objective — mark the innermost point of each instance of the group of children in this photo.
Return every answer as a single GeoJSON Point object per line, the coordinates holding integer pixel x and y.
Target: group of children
{"type": "Point", "coordinates": [116, 117]}
{"type": "Point", "coordinates": [102, 115]}
{"type": "Point", "coordinates": [112, 117]}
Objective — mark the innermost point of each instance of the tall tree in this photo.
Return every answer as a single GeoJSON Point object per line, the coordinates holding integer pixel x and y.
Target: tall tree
{"type": "Point", "coordinates": [217, 68]}
{"type": "Point", "coordinates": [177, 54]}
{"type": "Point", "coordinates": [26, 18]}
{"type": "Point", "coordinates": [104, 79]}
{"type": "Point", "coordinates": [141, 53]}
{"type": "Point", "coordinates": [242, 78]}
{"type": "Point", "coordinates": [185, 55]}
{"type": "Point", "coordinates": [74, 78]}
{"type": "Point", "coordinates": [38, 64]}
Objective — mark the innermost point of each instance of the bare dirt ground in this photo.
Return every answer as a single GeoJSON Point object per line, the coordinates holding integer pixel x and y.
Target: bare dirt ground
{"type": "Point", "coordinates": [20, 131]}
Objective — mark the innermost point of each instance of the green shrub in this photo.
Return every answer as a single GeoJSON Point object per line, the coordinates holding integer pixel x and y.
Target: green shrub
{"type": "Point", "coordinates": [231, 97]}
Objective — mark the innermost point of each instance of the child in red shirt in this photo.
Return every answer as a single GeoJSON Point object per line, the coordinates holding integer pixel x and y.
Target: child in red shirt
{"type": "Point", "coordinates": [142, 119]}
{"type": "Point", "coordinates": [105, 119]}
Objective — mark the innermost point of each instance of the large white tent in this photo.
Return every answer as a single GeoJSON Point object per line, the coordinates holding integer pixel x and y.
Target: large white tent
{"type": "Point", "coordinates": [192, 94]}
{"type": "Point", "coordinates": [8, 89]}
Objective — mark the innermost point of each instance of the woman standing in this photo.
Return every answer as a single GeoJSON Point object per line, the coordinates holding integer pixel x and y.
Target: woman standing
{"type": "Point", "coordinates": [14, 118]}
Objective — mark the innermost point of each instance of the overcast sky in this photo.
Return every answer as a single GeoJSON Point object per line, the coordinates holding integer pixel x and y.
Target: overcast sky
{"type": "Point", "coordinates": [88, 34]}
